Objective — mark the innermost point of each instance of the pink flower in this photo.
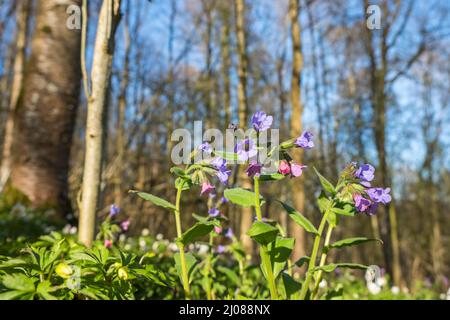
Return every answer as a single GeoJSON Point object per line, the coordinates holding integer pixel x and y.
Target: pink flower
{"type": "Point", "coordinates": [206, 188]}
{"type": "Point", "coordinates": [108, 243]}
{"type": "Point", "coordinates": [217, 230]}
{"type": "Point", "coordinates": [297, 169]}
{"type": "Point", "coordinates": [284, 167]}
{"type": "Point", "coordinates": [124, 225]}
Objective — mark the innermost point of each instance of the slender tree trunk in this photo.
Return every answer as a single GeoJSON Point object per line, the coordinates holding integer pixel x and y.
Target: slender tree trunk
{"type": "Point", "coordinates": [226, 63]}
{"type": "Point", "coordinates": [23, 18]}
{"type": "Point", "coordinates": [46, 110]}
{"type": "Point", "coordinates": [246, 219]}
{"type": "Point", "coordinates": [298, 193]}
{"type": "Point", "coordinates": [100, 78]}
{"type": "Point", "coordinates": [120, 140]}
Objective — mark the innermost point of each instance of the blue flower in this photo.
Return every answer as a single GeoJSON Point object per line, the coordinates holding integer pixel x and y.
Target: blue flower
{"type": "Point", "coordinates": [380, 195]}
{"type": "Point", "coordinates": [213, 212]}
{"type": "Point", "coordinates": [246, 149]}
{"type": "Point", "coordinates": [305, 140]}
{"type": "Point", "coordinates": [261, 121]}
{"type": "Point", "coordinates": [205, 147]}
{"type": "Point", "coordinates": [366, 173]}
{"type": "Point", "coordinates": [113, 210]}
{"type": "Point", "coordinates": [223, 173]}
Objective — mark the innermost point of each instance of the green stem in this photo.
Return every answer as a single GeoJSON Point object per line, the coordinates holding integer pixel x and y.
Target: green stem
{"type": "Point", "coordinates": [184, 271]}
{"type": "Point", "coordinates": [312, 260]}
{"type": "Point", "coordinates": [263, 250]}
{"type": "Point", "coordinates": [323, 259]}
{"type": "Point", "coordinates": [208, 269]}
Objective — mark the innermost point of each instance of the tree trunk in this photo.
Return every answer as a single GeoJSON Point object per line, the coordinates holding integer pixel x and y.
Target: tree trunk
{"type": "Point", "coordinates": [246, 219]}
{"type": "Point", "coordinates": [297, 186]}
{"type": "Point", "coordinates": [100, 78]}
{"type": "Point", "coordinates": [226, 64]}
{"type": "Point", "coordinates": [23, 18]}
{"type": "Point", "coordinates": [120, 140]}
{"type": "Point", "coordinates": [46, 109]}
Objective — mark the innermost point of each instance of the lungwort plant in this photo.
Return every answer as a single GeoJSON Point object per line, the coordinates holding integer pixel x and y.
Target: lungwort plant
{"type": "Point", "coordinates": [351, 195]}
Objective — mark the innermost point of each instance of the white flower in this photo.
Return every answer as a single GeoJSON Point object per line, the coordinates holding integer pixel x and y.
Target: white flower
{"type": "Point", "coordinates": [155, 246]}
{"type": "Point", "coordinates": [323, 283]}
{"type": "Point", "coordinates": [142, 243]}
{"type": "Point", "coordinates": [127, 247]}
{"type": "Point", "coordinates": [381, 281]}
{"type": "Point", "coordinates": [73, 230]}
{"type": "Point", "coordinates": [373, 288]}
{"type": "Point", "coordinates": [173, 247]}
{"type": "Point", "coordinates": [122, 237]}
{"type": "Point", "coordinates": [203, 249]}
{"type": "Point", "coordinates": [159, 236]}
{"type": "Point", "coordinates": [66, 229]}
{"type": "Point", "coordinates": [395, 290]}
{"type": "Point", "coordinates": [145, 232]}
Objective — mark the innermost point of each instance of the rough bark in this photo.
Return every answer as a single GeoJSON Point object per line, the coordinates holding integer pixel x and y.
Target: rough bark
{"type": "Point", "coordinates": [23, 18]}
{"type": "Point", "coordinates": [100, 78]}
{"type": "Point", "coordinates": [46, 110]}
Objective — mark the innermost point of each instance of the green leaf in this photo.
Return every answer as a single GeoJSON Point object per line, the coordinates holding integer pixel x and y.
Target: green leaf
{"type": "Point", "coordinates": [11, 295]}
{"type": "Point", "coordinates": [280, 250]}
{"type": "Point", "coordinates": [44, 288]}
{"type": "Point", "coordinates": [179, 172]}
{"type": "Point", "coordinates": [190, 264]}
{"type": "Point", "coordinates": [198, 230]}
{"type": "Point", "coordinates": [332, 266]}
{"type": "Point", "coordinates": [272, 177]}
{"type": "Point", "coordinates": [262, 233]}
{"type": "Point", "coordinates": [326, 185]}
{"type": "Point", "coordinates": [234, 278]}
{"type": "Point", "coordinates": [323, 202]}
{"type": "Point", "coordinates": [240, 197]}
{"type": "Point", "coordinates": [19, 282]}
{"type": "Point", "coordinates": [352, 241]}
{"type": "Point", "coordinates": [303, 260]}
{"type": "Point", "coordinates": [299, 219]}
{"type": "Point", "coordinates": [344, 208]}
{"type": "Point", "coordinates": [155, 200]}
{"type": "Point", "coordinates": [291, 287]}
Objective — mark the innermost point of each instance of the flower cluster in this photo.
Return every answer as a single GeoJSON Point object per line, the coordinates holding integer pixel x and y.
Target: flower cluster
{"type": "Point", "coordinates": [369, 198]}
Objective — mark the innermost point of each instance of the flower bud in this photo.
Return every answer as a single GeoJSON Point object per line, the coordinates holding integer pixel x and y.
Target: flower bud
{"type": "Point", "coordinates": [63, 270]}
{"type": "Point", "coordinates": [122, 273]}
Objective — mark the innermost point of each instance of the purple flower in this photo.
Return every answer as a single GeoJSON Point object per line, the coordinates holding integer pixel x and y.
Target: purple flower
{"type": "Point", "coordinates": [205, 147]}
{"type": "Point", "coordinates": [213, 212]}
{"type": "Point", "coordinates": [366, 173]}
{"type": "Point", "coordinates": [297, 169]}
{"type": "Point", "coordinates": [254, 169]}
{"type": "Point", "coordinates": [220, 249]}
{"type": "Point", "coordinates": [223, 173]}
{"type": "Point", "coordinates": [124, 225]}
{"type": "Point", "coordinates": [223, 200]}
{"type": "Point", "coordinates": [261, 121]}
{"type": "Point", "coordinates": [113, 210]}
{"type": "Point", "coordinates": [229, 234]}
{"type": "Point", "coordinates": [206, 188]}
{"type": "Point", "coordinates": [361, 203]}
{"type": "Point", "coordinates": [245, 149]}
{"type": "Point", "coordinates": [305, 140]}
{"type": "Point", "coordinates": [380, 195]}
{"type": "Point", "coordinates": [372, 209]}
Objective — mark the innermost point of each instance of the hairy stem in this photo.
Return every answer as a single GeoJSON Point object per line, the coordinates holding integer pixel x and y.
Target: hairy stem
{"type": "Point", "coordinates": [312, 261]}
{"type": "Point", "coordinates": [263, 250]}
{"type": "Point", "coordinates": [323, 259]}
{"type": "Point", "coordinates": [184, 271]}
